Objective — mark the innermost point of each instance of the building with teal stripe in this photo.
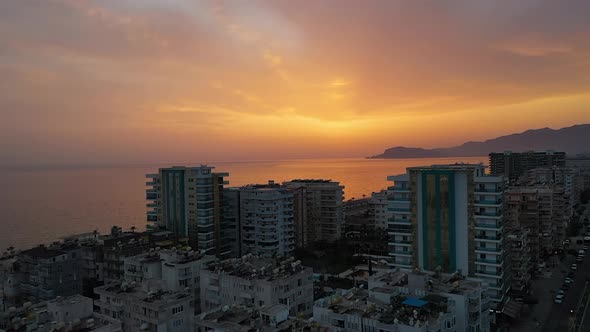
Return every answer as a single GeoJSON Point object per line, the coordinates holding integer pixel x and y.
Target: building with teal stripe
{"type": "Point", "coordinates": [189, 202]}
{"type": "Point", "coordinates": [456, 224]}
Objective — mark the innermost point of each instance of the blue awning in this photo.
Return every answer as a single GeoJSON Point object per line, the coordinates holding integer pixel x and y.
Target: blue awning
{"type": "Point", "coordinates": [414, 302]}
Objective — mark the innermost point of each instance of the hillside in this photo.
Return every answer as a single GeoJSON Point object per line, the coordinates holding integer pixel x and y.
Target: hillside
{"type": "Point", "coordinates": [572, 140]}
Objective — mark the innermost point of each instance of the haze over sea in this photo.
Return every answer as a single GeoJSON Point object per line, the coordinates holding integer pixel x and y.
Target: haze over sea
{"type": "Point", "coordinates": [42, 204]}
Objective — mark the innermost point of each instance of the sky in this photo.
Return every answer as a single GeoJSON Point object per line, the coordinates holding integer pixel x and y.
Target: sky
{"type": "Point", "coordinates": [124, 81]}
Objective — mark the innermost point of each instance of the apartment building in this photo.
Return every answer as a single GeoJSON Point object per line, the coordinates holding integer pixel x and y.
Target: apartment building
{"type": "Point", "coordinates": [274, 318]}
{"type": "Point", "coordinates": [189, 201]}
{"type": "Point", "coordinates": [407, 302]}
{"type": "Point", "coordinates": [379, 207]}
{"type": "Point", "coordinates": [455, 223]}
{"type": "Point", "coordinates": [48, 272]}
{"type": "Point", "coordinates": [177, 269]}
{"type": "Point", "coordinates": [325, 215]}
{"type": "Point", "coordinates": [266, 220]}
{"type": "Point", "coordinates": [520, 260]}
{"type": "Point", "coordinates": [513, 164]}
{"type": "Point", "coordinates": [257, 282]}
{"type": "Point", "coordinates": [147, 306]}
{"type": "Point", "coordinates": [72, 313]}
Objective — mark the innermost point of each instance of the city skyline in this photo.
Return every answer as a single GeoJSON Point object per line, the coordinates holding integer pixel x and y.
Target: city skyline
{"type": "Point", "coordinates": [89, 81]}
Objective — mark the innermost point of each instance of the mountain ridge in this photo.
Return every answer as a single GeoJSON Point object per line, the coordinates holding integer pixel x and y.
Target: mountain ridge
{"type": "Point", "coordinates": [572, 140]}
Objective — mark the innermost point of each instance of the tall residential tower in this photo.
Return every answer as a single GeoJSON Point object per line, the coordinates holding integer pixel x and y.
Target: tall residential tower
{"type": "Point", "coordinates": [455, 223]}
{"type": "Point", "coordinates": [188, 202]}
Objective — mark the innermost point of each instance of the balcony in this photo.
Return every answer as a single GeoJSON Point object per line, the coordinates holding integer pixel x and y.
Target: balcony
{"type": "Point", "coordinates": [496, 227]}
{"type": "Point", "coordinates": [494, 215]}
{"type": "Point", "coordinates": [400, 189]}
{"type": "Point", "coordinates": [399, 210]}
{"type": "Point", "coordinates": [484, 261]}
{"type": "Point", "coordinates": [400, 253]}
{"type": "Point", "coordinates": [488, 190]}
{"type": "Point", "coordinates": [488, 238]}
{"type": "Point", "coordinates": [399, 199]}
{"type": "Point", "coordinates": [497, 202]}
{"type": "Point", "coordinates": [487, 249]}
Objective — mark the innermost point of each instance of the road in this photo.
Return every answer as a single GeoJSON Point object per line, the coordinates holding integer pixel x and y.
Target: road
{"type": "Point", "coordinates": [559, 317]}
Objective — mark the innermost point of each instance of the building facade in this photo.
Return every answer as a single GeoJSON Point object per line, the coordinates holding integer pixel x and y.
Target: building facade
{"type": "Point", "coordinates": [45, 273]}
{"type": "Point", "coordinates": [146, 306]}
{"type": "Point", "coordinates": [257, 282]}
{"type": "Point", "coordinates": [455, 223]}
{"type": "Point", "coordinates": [72, 313]}
{"type": "Point", "coordinates": [408, 302]}
{"type": "Point", "coordinates": [513, 164]}
{"type": "Point", "coordinates": [325, 214]}
{"type": "Point", "coordinates": [177, 269]}
{"type": "Point", "coordinates": [379, 207]}
{"type": "Point", "coordinates": [266, 221]}
{"type": "Point", "coordinates": [189, 201]}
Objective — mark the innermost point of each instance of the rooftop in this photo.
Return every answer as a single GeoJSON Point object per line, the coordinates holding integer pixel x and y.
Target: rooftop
{"type": "Point", "coordinates": [254, 267]}
{"type": "Point", "coordinates": [42, 252]}
{"type": "Point", "coordinates": [143, 292]}
{"type": "Point", "coordinates": [239, 318]}
{"type": "Point", "coordinates": [402, 310]}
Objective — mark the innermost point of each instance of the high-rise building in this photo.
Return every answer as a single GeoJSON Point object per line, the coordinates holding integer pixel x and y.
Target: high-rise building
{"type": "Point", "coordinates": [189, 201]}
{"type": "Point", "coordinates": [399, 228]}
{"type": "Point", "coordinates": [325, 215]}
{"type": "Point", "coordinates": [379, 208]}
{"type": "Point", "coordinates": [258, 282]}
{"type": "Point", "coordinates": [266, 220]}
{"type": "Point", "coordinates": [455, 223]}
{"type": "Point", "coordinates": [513, 164]}
{"type": "Point", "coordinates": [520, 260]}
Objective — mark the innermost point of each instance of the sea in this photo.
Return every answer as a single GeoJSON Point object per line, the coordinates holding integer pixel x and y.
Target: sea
{"type": "Point", "coordinates": [44, 204]}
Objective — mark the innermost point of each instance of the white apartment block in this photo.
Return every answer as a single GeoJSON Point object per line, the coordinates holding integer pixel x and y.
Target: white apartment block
{"type": "Point", "coordinates": [257, 282]}
{"type": "Point", "coordinates": [147, 306]}
{"type": "Point", "coordinates": [379, 204]}
{"type": "Point", "coordinates": [72, 313]}
{"type": "Point", "coordinates": [399, 228]}
{"type": "Point", "coordinates": [325, 213]}
{"type": "Point", "coordinates": [177, 269]}
{"type": "Point", "coordinates": [266, 221]}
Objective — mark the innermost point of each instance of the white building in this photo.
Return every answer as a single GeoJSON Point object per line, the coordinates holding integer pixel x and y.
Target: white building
{"type": "Point", "coordinates": [147, 306]}
{"type": "Point", "coordinates": [266, 221]}
{"type": "Point", "coordinates": [73, 313]}
{"type": "Point", "coordinates": [399, 228]}
{"type": "Point", "coordinates": [400, 301]}
{"type": "Point", "coordinates": [177, 269]}
{"type": "Point", "coordinates": [325, 214]}
{"type": "Point", "coordinates": [258, 282]}
{"type": "Point", "coordinates": [379, 205]}
{"type": "Point", "coordinates": [455, 223]}
{"type": "Point", "coordinates": [274, 318]}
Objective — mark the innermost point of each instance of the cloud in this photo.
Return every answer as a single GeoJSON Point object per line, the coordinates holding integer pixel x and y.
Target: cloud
{"type": "Point", "coordinates": [188, 70]}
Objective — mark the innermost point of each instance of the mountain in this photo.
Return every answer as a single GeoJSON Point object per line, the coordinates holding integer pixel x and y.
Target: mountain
{"type": "Point", "coordinates": [572, 140]}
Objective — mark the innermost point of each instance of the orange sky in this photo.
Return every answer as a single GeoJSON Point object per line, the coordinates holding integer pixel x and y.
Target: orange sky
{"type": "Point", "coordinates": [193, 81]}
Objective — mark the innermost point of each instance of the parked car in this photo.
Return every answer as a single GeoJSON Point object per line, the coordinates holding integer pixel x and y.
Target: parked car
{"type": "Point", "coordinates": [574, 267]}
{"type": "Point", "coordinates": [558, 299]}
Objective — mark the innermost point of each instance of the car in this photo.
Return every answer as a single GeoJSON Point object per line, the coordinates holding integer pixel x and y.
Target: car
{"type": "Point", "coordinates": [574, 267]}
{"type": "Point", "coordinates": [558, 299]}
{"type": "Point", "coordinates": [581, 252]}
{"type": "Point", "coordinates": [568, 281]}
{"type": "Point", "coordinates": [579, 259]}
{"type": "Point", "coordinates": [585, 248]}
{"type": "Point", "coordinates": [561, 292]}
{"type": "Point", "coordinates": [567, 241]}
